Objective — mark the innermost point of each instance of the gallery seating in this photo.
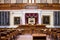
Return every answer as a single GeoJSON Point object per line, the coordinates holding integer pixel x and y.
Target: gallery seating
{"type": "Point", "coordinates": [10, 34]}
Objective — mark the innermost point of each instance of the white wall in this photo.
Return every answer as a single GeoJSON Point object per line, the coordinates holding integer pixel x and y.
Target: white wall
{"type": "Point", "coordinates": [48, 13]}
{"type": "Point", "coordinates": [40, 12]}
{"type": "Point", "coordinates": [15, 14]}
{"type": "Point", "coordinates": [21, 14]}
{"type": "Point", "coordinates": [32, 11]}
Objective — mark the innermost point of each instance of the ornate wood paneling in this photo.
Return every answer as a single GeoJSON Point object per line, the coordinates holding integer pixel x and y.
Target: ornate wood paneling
{"type": "Point", "coordinates": [23, 6]}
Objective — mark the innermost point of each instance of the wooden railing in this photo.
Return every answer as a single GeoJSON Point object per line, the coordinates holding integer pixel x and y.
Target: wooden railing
{"type": "Point", "coordinates": [33, 6]}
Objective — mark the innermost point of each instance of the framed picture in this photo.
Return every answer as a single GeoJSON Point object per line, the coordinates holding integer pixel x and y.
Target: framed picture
{"type": "Point", "coordinates": [16, 20]}
{"type": "Point", "coordinates": [46, 20]}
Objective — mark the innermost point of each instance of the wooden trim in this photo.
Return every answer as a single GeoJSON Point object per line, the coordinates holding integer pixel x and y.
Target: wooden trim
{"type": "Point", "coordinates": [18, 6]}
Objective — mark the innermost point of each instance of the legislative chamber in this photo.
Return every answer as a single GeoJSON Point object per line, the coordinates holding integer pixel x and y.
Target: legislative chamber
{"type": "Point", "coordinates": [29, 19]}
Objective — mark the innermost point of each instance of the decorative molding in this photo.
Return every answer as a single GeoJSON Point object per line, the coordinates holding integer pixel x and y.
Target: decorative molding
{"type": "Point", "coordinates": [30, 6]}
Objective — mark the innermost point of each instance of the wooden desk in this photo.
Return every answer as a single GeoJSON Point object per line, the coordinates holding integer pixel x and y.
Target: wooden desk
{"type": "Point", "coordinates": [31, 29]}
{"type": "Point", "coordinates": [31, 26]}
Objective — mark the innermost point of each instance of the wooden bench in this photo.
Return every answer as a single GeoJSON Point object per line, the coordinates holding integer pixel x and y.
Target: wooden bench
{"type": "Point", "coordinates": [6, 34]}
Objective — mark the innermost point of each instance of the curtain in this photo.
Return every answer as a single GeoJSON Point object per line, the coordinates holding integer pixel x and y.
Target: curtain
{"type": "Point", "coordinates": [31, 15]}
{"type": "Point", "coordinates": [4, 18]}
